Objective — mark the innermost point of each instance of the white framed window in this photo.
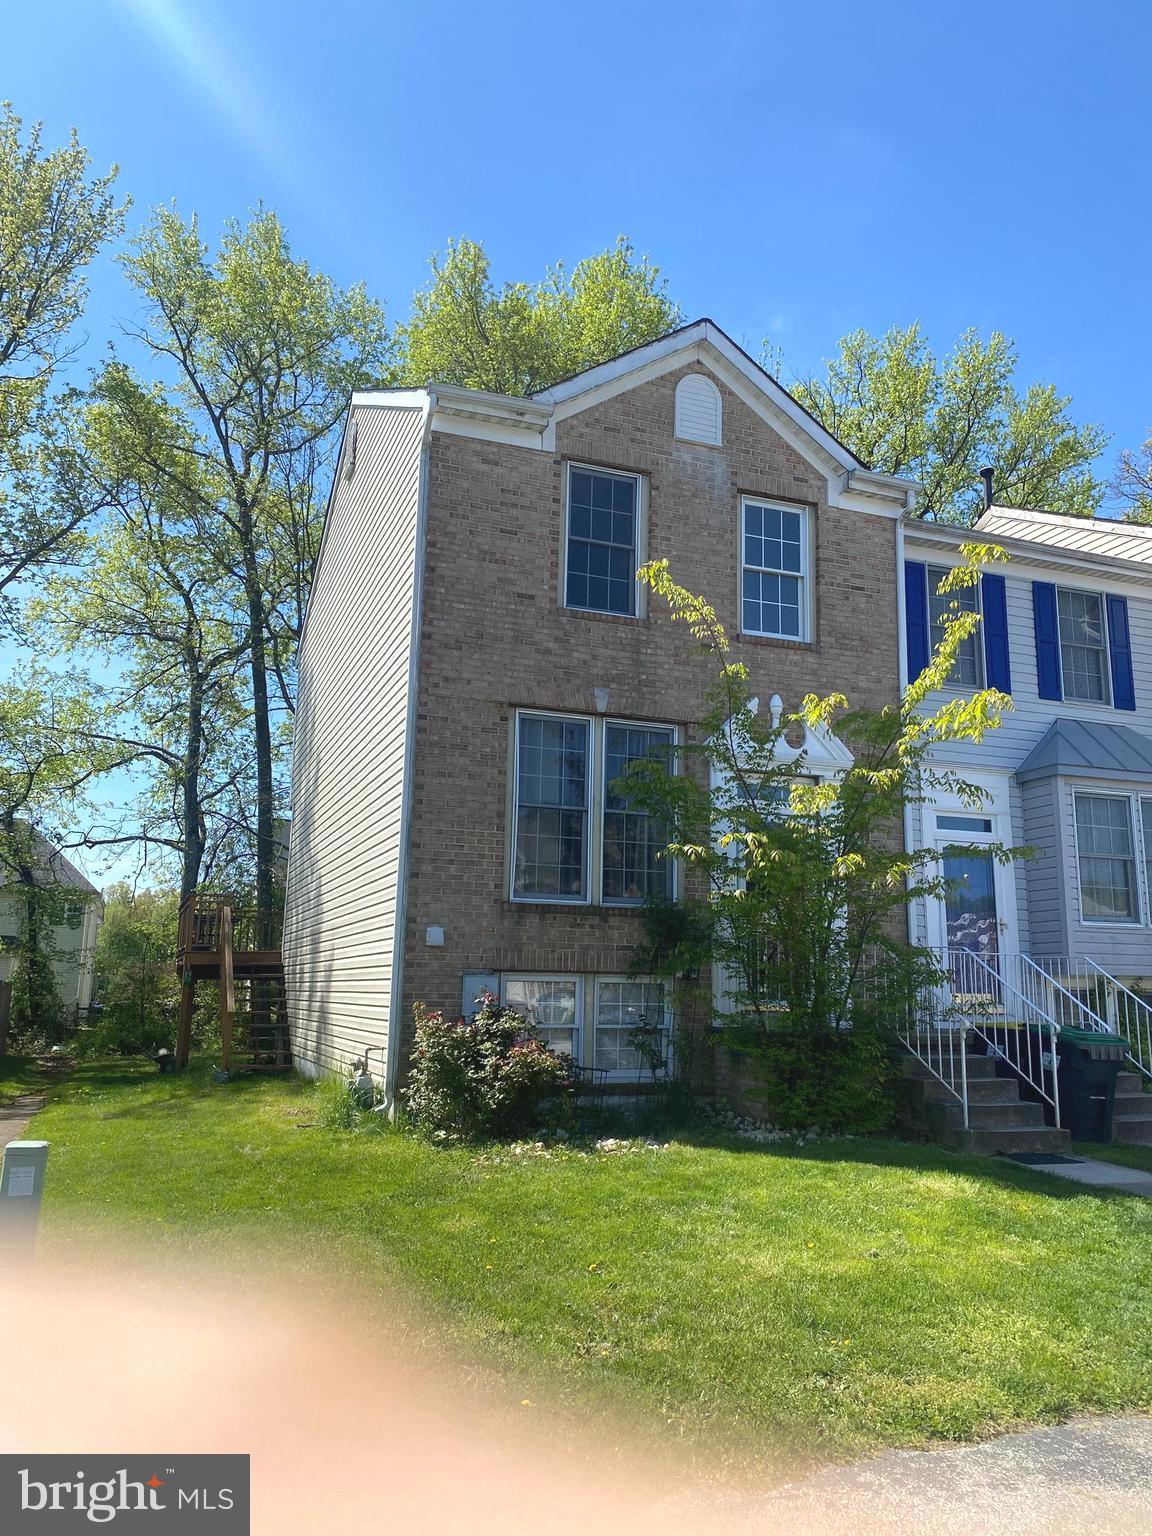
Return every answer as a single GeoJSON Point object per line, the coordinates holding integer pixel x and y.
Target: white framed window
{"type": "Point", "coordinates": [632, 1027]}
{"type": "Point", "coordinates": [602, 540]}
{"type": "Point", "coordinates": [1106, 858]}
{"type": "Point", "coordinates": [555, 1004]}
{"type": "Point", "coordinates": [968, 671]}
{"type": "Point", "coordinates": [774, 573]}
{"type": "Point", "coordinates": [575, 836]}
{"type": "Point", "coordinates": [631, 838]}
{"type": "Point", "coordinates": [1083, 645]}
{"type": "Point", "coordinates": [620, 1024]}
{"type": "Point", "coordinates": [552, 803]}
{"type": "Point", "coordinates": [1146, 838]}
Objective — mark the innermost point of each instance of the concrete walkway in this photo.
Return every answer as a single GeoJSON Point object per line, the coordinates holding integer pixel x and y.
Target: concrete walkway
{"type": "Point", "coordinates": [1092, 1477]}
{"type": "Point", "coordinates": [14, 1117]}
{"type": "Point", "coordinates": [1095, 1174]}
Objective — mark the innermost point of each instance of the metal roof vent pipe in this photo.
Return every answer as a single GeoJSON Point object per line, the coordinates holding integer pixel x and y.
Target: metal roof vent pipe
{"type": "Point", "coordinates": [986, 476]}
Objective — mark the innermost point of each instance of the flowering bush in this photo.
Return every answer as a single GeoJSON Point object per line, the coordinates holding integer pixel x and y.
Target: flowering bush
{"type": "Point", "coordinates": [483, 1076]}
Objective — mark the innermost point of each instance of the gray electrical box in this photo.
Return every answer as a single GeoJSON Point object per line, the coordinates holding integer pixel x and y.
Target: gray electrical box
{"type": "Point", "coordinates": [21, 1191]}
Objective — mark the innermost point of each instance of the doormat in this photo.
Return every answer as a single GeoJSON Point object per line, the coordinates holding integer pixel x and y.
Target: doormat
{"type": "Point", "coordinates": [1039, 1159]}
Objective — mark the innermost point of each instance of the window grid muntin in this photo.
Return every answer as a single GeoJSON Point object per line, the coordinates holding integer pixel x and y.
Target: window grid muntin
{"type": "Point", "coordinates": [602, 540]}
{"type": "Point", "coordinates": [773, 570]}
{"type": "Point", "coordinates": [563, 818]}
{"type": "Point", "coordinates": [637, 1002]}
{"type": "Point", "coordinates": [544, 1005]}
{"type": "Point", "coordinates": [1083, 628]}
{"type": "Point", "coordinates": [1106, 849]}
{"type": "Point", "coordinates": [968, 671]}
{"type": "Point", "coordinates": [632, 830]}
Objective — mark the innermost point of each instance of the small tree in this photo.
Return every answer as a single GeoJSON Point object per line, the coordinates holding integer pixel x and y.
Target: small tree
{"type": "Point", "coordinates": [802, 887]}
{"type": "Point", "coordinates": [136, 979]}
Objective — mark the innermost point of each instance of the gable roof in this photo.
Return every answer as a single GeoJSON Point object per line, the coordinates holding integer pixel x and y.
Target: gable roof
{"type": "Point", "coordinates": [530, 421]}
{"type": "Point", "coordinates": [52, 868]}
{"type": "Point", "coordinates": [1089, 749]}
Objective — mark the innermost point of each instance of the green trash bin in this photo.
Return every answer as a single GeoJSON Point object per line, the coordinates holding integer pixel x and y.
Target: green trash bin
{"type": "Point", "coordinates": [1090, 1062]}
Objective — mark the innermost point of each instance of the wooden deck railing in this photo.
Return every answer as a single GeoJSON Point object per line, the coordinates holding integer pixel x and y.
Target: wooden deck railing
{"type": "Point", "coordinates": [201, 927]}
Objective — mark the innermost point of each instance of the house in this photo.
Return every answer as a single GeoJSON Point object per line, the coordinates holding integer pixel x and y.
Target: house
{"type": "Point", "coordinates": [1062, 936]}
{"type": "Point", "coordinates": [479, 664]}
{"type": "Point", "coordinates": [71, 938]}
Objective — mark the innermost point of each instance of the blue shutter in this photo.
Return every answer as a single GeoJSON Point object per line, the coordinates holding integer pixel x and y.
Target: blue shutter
{"type": "Point", "coordinates": [1047, 640]}
{"type": "Point", "coordinates": [916, 617]}
{"type": "Point", "coordinates": [1120, 653]}
{"type": "Point", "coordinates": [997, 660]}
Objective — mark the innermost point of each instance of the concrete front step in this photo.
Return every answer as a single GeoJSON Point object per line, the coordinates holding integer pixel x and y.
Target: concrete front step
{"type": "Point", "coordinates": [1130, 1082]}
{"type": "Point", "coordinates": [989, 1140]}
{"type": "Point", "coordinates": [1136, 1130]}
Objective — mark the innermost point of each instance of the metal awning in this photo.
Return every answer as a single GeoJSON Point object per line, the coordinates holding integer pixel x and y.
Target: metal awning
{"type": "Point", "coordinates": [1089, 749]}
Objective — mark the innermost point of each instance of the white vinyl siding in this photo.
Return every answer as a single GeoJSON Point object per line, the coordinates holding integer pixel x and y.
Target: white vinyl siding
{"type": "Point", "coordinates": [344, 901]}
{"type": "Point", "coordinates": [699, 411]}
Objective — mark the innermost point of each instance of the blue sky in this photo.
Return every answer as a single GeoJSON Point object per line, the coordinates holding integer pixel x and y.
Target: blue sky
{"type": "Point", "coordinates": [796, 170]}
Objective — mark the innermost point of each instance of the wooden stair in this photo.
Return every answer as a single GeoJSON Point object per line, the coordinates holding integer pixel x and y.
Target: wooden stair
{"type": "Point", "coordinates": [218, 941]}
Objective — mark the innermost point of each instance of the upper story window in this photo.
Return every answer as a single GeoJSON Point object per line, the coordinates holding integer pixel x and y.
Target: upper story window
{"type": "Point", "coordinates": [969, 669]}
{"type": "Point", "coordinates": [567, 782]}
{"type": "Point", "coordinates": [1083, 645]}
{"type": "Point", "coordinates": [775, 571]}
{"type": "Point", "coordinates": [699, 411]}
{"type": "Point", "coordinates": [602, 551]}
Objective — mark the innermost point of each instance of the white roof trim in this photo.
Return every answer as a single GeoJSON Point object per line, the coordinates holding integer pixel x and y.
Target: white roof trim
{"type": "Point", "coordinates": [531, 421]}
{"type": "Point", "coordinates": [949, 537]}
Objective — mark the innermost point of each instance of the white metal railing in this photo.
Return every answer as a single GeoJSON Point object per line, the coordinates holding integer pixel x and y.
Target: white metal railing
{"type": "Point", "coordinates": [941, 1045]}
{"type": "Point", "coordinates": [1103, 1004]}
{"type": "Point", "coordinates": [1006, 1001]}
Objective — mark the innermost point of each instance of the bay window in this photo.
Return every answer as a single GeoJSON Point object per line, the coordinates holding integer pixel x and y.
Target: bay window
{"type": "Point", "coordinates": [1106, 852]}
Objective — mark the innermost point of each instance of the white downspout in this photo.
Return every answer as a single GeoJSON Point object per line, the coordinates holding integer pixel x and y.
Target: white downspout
{"type": "Point", "coordinates": [902, 653]}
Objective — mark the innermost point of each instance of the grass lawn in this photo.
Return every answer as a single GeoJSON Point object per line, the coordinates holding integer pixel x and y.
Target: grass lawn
{"type": "Point", "coordinates": [1116, 1152]}
{"type": "Point", "coordinates": [19, 1074]}
{"type": "Point", "coordinates": [844, 1295]}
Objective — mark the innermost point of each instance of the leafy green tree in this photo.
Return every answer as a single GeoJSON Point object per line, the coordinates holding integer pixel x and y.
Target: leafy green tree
{"type": "Point", "coordinates": [48, 764]}
{"type": "Point", "coordinates": [797, 888]}
{"type": "Point", "coordinates": [136, 982]}
{"type": "Point", "coordinates": [259, 355]}
{"type": "Point", "coordinates": [54, 218]}
{"type": "Point", "coordinates": [905, 411]}
{"type": "Point", "coordinates": [521, 337]}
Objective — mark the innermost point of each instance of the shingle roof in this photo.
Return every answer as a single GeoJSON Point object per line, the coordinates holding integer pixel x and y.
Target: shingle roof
{"type": "Point", "coordinates": [1089, 749]}
{"type": "Point", "coordinates": [56, 869]}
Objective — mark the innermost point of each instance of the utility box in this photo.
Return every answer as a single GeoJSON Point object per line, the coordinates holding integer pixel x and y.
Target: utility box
{"type": "Point", "coordinates": [1090, 1063]}
{"type": "Point", "coordinates": [21, 1191]}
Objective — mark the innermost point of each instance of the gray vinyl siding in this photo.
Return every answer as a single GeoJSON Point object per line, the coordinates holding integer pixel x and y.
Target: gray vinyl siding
{"type": "Point", "coordinates": [344, 896]}
{"type": "Point", "coordinates": [1041, 877]}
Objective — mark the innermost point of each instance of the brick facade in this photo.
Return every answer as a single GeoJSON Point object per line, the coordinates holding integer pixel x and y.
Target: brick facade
{"type": "Point", "coordinates": [495, 637]}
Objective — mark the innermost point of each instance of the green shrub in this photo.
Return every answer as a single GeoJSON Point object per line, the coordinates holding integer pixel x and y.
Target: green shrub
{"type": "Point", "coordinates": [843, 1081]}
{"type": "Point", "coordinates": [478, 1077]}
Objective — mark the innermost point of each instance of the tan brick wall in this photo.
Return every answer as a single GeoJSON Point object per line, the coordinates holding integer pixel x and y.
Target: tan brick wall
{"type": "Point", "coordinates": [495, 637]}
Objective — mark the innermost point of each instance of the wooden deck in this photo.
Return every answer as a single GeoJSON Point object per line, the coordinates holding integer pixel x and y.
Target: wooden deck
{"type": "Point", "coordinates": [217, 941]}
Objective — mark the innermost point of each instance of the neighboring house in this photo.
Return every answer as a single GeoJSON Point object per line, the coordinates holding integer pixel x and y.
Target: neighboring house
{"type": "Point", "coordinates": [72, 940]}
{"type": "Point", "coordinates": [479, 664]}
{"type": "Point", "coordinates": [1067, 631]}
